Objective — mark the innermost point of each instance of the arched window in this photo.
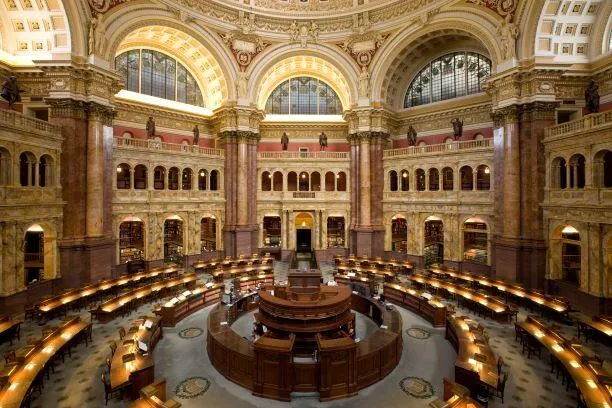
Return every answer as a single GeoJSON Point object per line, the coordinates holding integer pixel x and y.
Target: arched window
{"type": "Point", "coordinates": [330, 181]}
{"type": "Point", "coordinates": [467, 178]}
{"type": "Point", "coordinates": [393, 180]}
{"type": "Point", "coordinates": [34, 254]}
{"type": "Point", "coordinates": [405, 183]}
{"type": "Point", "coordinates": [159, 178]}
{"type": "Point", "coordinates": [140, 177]}
{"type": "Point", "coordinates": [570, 255]}
{"type": "Point", "coordinates": [292, 181]}
{"type": "Point", "coordinates": [315, 181]}
{"type": "Point", "coordinates": [131, 240]}
{"type": "Point", "coordinates": [341, 181]}
{"type": "Point", "coordinates": [266, 181]}
{"type": "Point", "coordinates": [433, 252]}
{"type": "Point", "coordinates": [399, 234]}
{"type": "Point", "coordinates": [303, 96]}
{"type": "Point", "coordinates": [559, 173]}
{"type": "Point", "coordinates": [449, 76]}
{"type": "Point", "coordinates": [447, 179]}
{"type": "Point", "coordinates": [45, 171]}
{"type": "Point", "coordinates": [202, 179]}
{"type": "Point", "coordinates": [576, 171]}
{"type": "Point", "coordinates": [5, 167]}
{"type": "Point", "coordinates": [434, 180]}
{"type": "Point", "coordinates": [420, 180]}
{"type": "Point", "coordinates": [123, 176]}
{"type": "Point", "coordinates": [187, 179]}
{"type": "Point", "coordinates": [278, 181]}
{"type": "Point", "coordinates": [154, 73]}
{"type": "Point", "coordinates": [483, 178]}
{"type": "Point", "coordinates": [602, 169]}
{"type": "Point", "coordinates": [173, 178]}
{"type": "Point", "coordinates": [214, 180]}
{"type": "Point", "coordinates": [303, 181]}
{"type": "Point", "coordinates": [475, 240]}
{"type": "Point", "coordinates": [27, 169]}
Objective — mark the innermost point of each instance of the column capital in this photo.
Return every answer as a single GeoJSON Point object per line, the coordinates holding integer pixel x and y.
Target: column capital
{"type": "Point", "coordinates": [538, 110]}
{"type": "Point", "coordinates": [505, 115]}
{"type": "Point", "coordinates": [67, 108]}
{"type": "Point", "coordinates": [102, 113]}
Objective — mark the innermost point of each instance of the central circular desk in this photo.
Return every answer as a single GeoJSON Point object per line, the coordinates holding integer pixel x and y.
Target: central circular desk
{"type": "Point", "coordinates": [307, 346]}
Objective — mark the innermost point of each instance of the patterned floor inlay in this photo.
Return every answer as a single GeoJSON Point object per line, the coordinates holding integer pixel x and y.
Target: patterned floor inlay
{"type": "Point", "coordinates": [192, 387]}
{"type": "Point", "coordinates": [418, 333]}
{"type": "Point", "coordinates": [417, 387]}
{"type": "Point", "coordinates": [190, 333]}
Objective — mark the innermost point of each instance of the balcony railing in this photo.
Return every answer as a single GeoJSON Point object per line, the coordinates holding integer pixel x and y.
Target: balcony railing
{"type": "Point", "coordinates": [304, 155]}
{"type": "Point", "coordinates": [150, 144]}
{"type": "Point", "coordinates": [19, 121]}
{"type": "Point", "coordinates": [439, 148]}
{"type": "Point", "coordinates": [593, 121]}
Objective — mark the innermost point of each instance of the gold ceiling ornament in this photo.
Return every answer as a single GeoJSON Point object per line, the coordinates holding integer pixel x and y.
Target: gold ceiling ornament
{"type": "Point", "coordinates": [304, 32]}
{"type": "Point", "coordinates": [362, 47]}
{"type": "Point", "coordinates": [244, 45]}
{"type": "Point", "coordinates": [102, 6]}
{"type": "Point", "coordinates": [501, 7]}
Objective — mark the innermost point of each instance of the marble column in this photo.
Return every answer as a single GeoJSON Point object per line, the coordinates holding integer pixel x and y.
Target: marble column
{"type": "Point", "coordinates": [242, 179]}
{"type": "Point", "coordinates": [364, 181]}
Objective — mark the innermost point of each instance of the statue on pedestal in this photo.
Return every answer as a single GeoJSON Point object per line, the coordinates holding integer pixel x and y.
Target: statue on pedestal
{"type": "Point", "coordinates": [591, 97]}
{"type": "Point", "coordinates": [196, 135]}
{"type": "Point", "coordinates": [411, 136]}
{"type": "Point", "coordinates": [150, 128]}
{"type": "Point", "coordinates": [10, 90]}
{"type": "Point", "coordinates": [457, 128]}
{"type": "Point", "coordinates": [322, 141]}
{"type": "Point", "coordinates": [284, 141]}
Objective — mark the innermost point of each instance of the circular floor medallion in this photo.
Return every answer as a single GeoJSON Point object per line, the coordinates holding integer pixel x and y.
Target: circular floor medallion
{"type": "Point", "coordinates": [190, 333]}
{"type": "Point", "coordinates": [416, 387]}
{"type": "Point", "coordinates": [192, 387]}
{"type": "Point", "coordinates": [417, 333]}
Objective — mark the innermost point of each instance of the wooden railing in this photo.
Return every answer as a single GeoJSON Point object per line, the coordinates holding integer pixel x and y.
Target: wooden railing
{"type": "Point", "coordinates": [592, 121]}
{"type": "Point", "coordinates": [17, 120]}
{"type": "Point", "coordinates": [439, 148]}
{"type": "Point", "coordinates": [304, 155]}
{"type": "Point", "coordinates": [150, 144]}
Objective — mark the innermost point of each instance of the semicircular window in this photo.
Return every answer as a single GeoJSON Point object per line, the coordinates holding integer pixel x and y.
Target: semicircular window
{"type": "Point", "coordinates": [303, 96]}
{"type": "Point", "coordinates": [157, 74]}
{"type": "Point", "coordinates": [449, 76]}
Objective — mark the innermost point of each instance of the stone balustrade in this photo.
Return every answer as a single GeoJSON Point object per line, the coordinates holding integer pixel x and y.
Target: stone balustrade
{"type": "Point", "coordinates": [156, 145]}
{"type": "Point", "coordinates": [334, 156]}
{"type": "Point", "coordinates": [451, 147]}
{"type": "Point", "coordinates": [18, 121]}
{"type": "Point", "coordinates": [590, 122]}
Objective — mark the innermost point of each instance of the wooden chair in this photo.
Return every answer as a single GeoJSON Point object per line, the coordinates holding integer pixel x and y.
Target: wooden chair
{"type": "Point", "coordinates": [87, 334]}
{"type": "Point", "coordinates": [121, 333]}
{"type": "Point", "coordinates": [108, 364]}
{"type": "Point", "coordinates": [30, 312]}
{"type": "Point", "coordinates": [532, 346]}
{"type": "Point", "coordinates": [501, 386]}
{"type": "Point", "coordinates": [113, 347]}
{"type": "Point", "coordinates": [10, 356]}
{"type": "Point", "coordinates": [108, 391]}
{"type": "Point", "coordinates": [500, 365]}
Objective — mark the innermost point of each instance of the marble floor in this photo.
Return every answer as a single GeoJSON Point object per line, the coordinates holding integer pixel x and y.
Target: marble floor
{"type": "Point", "coordinates": [181, 358]}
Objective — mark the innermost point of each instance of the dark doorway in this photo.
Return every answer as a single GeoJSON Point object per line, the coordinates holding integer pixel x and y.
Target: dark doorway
{"type": "Point", "coordinates": [303, 238]}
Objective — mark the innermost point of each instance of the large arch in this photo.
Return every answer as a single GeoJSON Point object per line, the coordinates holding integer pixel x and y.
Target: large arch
{"type": "Point", "coordinates": [480, 29]}
{"type": "Point", "coordinates": [197, 48]}
{"type": "Point", "coordinates": [281, 63]}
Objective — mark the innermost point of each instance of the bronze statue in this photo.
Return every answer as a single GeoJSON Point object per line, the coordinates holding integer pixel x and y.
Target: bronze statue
{"type": "Point", "coordinates": [151, 128]}
{"type": "Point", "coordinates": [284, 141]}
{"type": "Point", "coordinates": [591, 97]}
{"type": "Point", "coordinates": [10, 90]}
{"type": "Point", "coordinates": [322, 141]}
{"type": "Point", "coordinates": [196, 135]}
{"type": "Point", "coordinates": [411, 136]}
{"type": "Point", "coordinates": [457, 128]}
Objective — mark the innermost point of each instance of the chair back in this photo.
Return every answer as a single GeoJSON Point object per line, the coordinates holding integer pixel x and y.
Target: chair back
{"type": "Point", "coordinates": [113, 347]}
{"type": "Point", "coordinates": [500, 364]}
{"type": "Point", "coordinates": [121, 333]}
{"type": "Point", "coordinates": [106, 383]}
{"type": "Point", "coordinates": [501, 386]}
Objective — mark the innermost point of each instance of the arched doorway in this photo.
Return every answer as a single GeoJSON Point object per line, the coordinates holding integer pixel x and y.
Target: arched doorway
{"type": "Point", "coordinates": [34, 254]}
{"type": "Point", "coordinates": [208, 234]}
{"type": "Point", "coordinates": [399, 234]}
{"type": "Point", "coordinates": [303, 232]}
{"type": "Point", "coordinates": [335, 232]}
{"type": "Point", "coordinates": [570, 255]}
{"type": "Point", "coordinates": [131, 240]}
{"type": "Point", "coordinates": [433, 252]}
{"type": "Point", "coordinates": [173, 240]}
{"type": "Point", "coordinates": [475, 240]}
{"type": "Point", "coordinates": [272, 231]}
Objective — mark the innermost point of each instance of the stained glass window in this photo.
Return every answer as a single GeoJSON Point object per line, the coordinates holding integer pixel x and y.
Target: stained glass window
{"type": "Point", "coordinates": [157, 74]}
{"type": "Point", "coordinates": [303, 96]}
{"type": "Point", "coordinates": [449, 76]}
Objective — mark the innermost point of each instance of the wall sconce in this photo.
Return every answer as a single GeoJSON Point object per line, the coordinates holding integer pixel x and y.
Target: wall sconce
{"type": "Point", "coordinates": [119, 169]}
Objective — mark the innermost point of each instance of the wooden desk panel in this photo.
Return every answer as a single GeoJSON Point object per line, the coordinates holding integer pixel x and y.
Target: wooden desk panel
{"type": "Point", "coordinates": [33, 360]}
{"type": "Point", "coordinates": [175, 310]}
{"type": "Point", "coordinates": [585, 376]}
{"type": "Point", "coordinates": [420, 302]}
{"type": "Point", "coordinates": [9, 329]}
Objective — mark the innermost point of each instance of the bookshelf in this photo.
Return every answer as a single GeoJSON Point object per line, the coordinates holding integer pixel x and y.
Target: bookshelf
{"type": "Point", "coordinates": [399, 235]}
{"type": "Point", "coordinates": [208, 235]}
{"type": "Point", "coordinates": [131, 242]}
{"type": "Point", "coordinates": [173, 241]}
{"type": "Point", "coordinates": [335, 232]}
{"type": "Point", "coordinates": [272, 231]}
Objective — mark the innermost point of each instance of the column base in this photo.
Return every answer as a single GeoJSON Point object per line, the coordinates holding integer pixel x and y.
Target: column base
{"type": "Point", "coordinates": [520, 260]}
{"type": "Point", "coordinates": [367, 242]}
{"type": "Point", "coordinates": [241, 240]}
{"type": "Point", "coordinates": [84, 260]}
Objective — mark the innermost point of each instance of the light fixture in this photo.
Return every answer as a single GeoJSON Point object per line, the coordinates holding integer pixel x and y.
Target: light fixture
{"type": "Point", "coordinates": [119, 169]}
{"type": "Point", "coordinates": [486, 170]}
{"type": "Point", "coordinates": [303, 223]}
{"type": "Point", "coordinates": [303, 175]}
{"type": "Point", "coordinates": [202, 173]}
{"type": "Point", "coordinates": [404, 174]}
{"type": "Point", "coordinates": [269, 175]}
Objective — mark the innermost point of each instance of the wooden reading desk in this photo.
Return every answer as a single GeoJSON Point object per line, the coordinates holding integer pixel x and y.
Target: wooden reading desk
{"type": "Point", "coordinates": [228, 262]}
{"type": "Point", "coordinates": [423, 303]}
{"type": "Point", "coordinates": [9, 329]}
{"type": "Point", "coordinates": [188, 302]}
{"type": "Point", "coordinates": [588, 379]}
{"type": "Point", "coordinates": [17, 378]}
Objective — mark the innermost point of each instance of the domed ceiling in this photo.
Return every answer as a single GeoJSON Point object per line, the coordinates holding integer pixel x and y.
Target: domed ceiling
{"type": "Point", "coordinates": [311, 6]}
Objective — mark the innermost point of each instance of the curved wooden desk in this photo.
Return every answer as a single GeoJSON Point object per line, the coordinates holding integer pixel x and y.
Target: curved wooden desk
{"type": "Point", "coordinates": [419, 302]}
{"type": "Point", "coordinates": [276, 377]}
{"type": "Point", "coordinates": [228, 262]}
{"type": "Point", "coordinates": [179, 307]}
{"type": "Point", "coordinates": [17, 378]}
